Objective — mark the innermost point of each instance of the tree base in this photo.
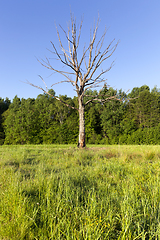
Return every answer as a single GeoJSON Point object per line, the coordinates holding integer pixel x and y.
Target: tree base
{"type": "Point", "coordinates": [81, 145]}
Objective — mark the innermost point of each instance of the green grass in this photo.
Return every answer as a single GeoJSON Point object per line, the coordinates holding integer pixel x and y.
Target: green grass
{"type": "Point", "coordinates": [61, 192]}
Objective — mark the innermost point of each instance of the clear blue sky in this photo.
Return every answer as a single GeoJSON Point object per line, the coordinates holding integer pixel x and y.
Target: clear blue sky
{"type": "Point", "coordinates": [28, 26]}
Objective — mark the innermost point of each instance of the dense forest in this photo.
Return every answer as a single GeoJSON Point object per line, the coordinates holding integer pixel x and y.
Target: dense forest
{"type": "Point", "coordinates": [44, 120]}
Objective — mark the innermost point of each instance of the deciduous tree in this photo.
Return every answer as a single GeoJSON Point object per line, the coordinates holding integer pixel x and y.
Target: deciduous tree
{"type": "Point", "coordinates": [83, 72]}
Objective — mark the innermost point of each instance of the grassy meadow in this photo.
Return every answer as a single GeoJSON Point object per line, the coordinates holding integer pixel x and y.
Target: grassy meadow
{"type": "Point", "coordinates": [61, 192]}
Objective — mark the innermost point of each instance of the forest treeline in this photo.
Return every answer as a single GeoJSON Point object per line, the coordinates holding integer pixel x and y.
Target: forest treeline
{"type": "Point", "coordinates": [132, 118]}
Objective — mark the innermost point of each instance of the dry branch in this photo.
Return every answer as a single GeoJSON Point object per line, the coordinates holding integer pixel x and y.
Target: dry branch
{"type": "Point", "coordinates": [46, 91]}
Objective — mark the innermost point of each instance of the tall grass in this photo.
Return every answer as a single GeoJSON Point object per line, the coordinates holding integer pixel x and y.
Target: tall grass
{"type": "Point", "coordinates": [61, 192]}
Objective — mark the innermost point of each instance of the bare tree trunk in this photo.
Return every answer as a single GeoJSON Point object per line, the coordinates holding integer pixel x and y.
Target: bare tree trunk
{"type": "Point", "coordinates": [81, 142]}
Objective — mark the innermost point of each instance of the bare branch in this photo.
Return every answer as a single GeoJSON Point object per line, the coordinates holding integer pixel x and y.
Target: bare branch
{"type": "Point", "coordinates": [47, 65]}
{"type": "Point", "coordinates": [65, 81]}
{"type": "Point", "coordinates": [66, 58]}
{"type": "Point", "coordinates": [38, 87]}
{"type": "Point", "coordinates": [91, 46]}
{"type": "Point", "coordinates": [97, 79]}
{"type": "Point", "coordinates": [102, 58]}
{"type": "Point", "coordinates": [103, 100]}
{"type": "Point", "coordinates": [44, 83]}
{"type": "Point", "coordinates": [80, 28]}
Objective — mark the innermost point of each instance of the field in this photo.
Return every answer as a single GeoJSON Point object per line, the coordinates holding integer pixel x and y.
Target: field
{"type": "Point", "coordinates": [61, 192]}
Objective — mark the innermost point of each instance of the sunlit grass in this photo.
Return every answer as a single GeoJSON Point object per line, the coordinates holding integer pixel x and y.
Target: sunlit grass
{"type": "Point", "coordinates": [61, 192]}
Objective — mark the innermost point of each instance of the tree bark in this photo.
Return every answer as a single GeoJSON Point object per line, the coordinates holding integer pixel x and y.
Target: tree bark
{"type": "Point", "coordinates": [81, 142]}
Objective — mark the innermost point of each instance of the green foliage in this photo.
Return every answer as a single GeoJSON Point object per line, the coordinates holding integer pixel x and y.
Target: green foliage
{"type": "Point", "coordinates": [4, 104]}
{"type": "Point", "coordinates": [125, 119]}
{"type": "Point", "coordinates": [92, 120]}
{"type": "Point", "coordinates": [40, 120]}
{"type": "Point", "coordinates": [21, 122]}
{"type": "Point", "coordinates": [111, 117]}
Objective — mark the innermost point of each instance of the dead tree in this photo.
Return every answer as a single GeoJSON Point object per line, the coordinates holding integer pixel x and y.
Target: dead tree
{"type": "Point", "coordinates": [84, 70]}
